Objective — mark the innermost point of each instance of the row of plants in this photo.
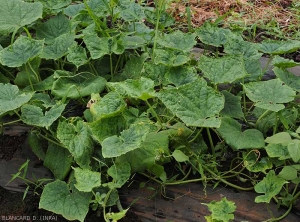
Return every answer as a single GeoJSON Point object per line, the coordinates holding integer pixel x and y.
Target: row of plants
{"type": "Point", "coordinates": [143, 101]}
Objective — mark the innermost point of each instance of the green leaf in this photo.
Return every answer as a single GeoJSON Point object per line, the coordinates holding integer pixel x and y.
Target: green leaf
{"type": "Point", "coordinates": [11, 98]}
{"type": "Point", "coordinates": [77, 138]}
{"type": "Point", "coordinates": [225, 69]}
{"type": "Point", "coordinates": [73, 10]}
{"type": "Point", "coordinates": [55, 4]}
{"type": "Point", "coordinates": [58, 160]}
{"type": "Point", "coordinates": [21, 51]}
{"type": "Point", "coordinates": [99, 7]}
{"type": "Point", "coordinates": [253, 163]}
{"type": "Point", "coordinates": [131, 11]}
{"type": "Point", "coordinates": [179, 156]}
{"type": "Point", "coordinates": [33, 115]}
{"type": "Point", "coordinates": [222, 210]}
{"type": "Point", "coordinates": [276, 47]}
{"type": "Point", "coordinates": [278, 150]}
{"type": "Point", "coordinates": [270, 186]}
{"type": "Point", "coordinates": [77, 55]}
{"type": "Point", "coordinates": [156, 72]}
{"type": "Point", "coordinates": [181, 75]}
{"type": "Point", "coordinates": [253, 68]}
{"type": "Point", "coordinates": [266, 121]}
{"type": "Point", "coordinates": [116, 216]}
{"type": "Point", "coordinates": [59, 47]}
{"type": "Point", "coordinates": [230, 130]}
{"type": "Point", "coordinates": [269, 94]}
{"type": "Point", "coordinates": [57, 198]}
{"type": "Point", "coordinates": [142, 88]}
{"type": "Point", "coordinates": [133, 42]}
{"type": "Point", "coordinates": [170, 57]}
{"type": "Point", "coordinates": [110, 105]}
{"type": "Point", "coordinates": [178, 41]}
{"type": "Point", "coordinates": [213, 35]}
{"type": "Point", "coordinates": [294, 150]}
{"type": "Point", "coordinates": [36, 145]}
{"type": "Point", "coordinates": [288, 173]}
{"type": "Point", "coordinates": [120, 172]}
{"type": "Point", "coordinates": [77, 86]}
{"type": "Point", "coordinates": [28, 75]}
{"type": "Point", "coordinates": [133, 68]}
{"type": "Point", "coordinates": [282, 63]}
{"type": "Point", "coordinates": [86, 179]}
{"type": "Point", "coordinates": [283, 138]}
{"type": "Point", "coordinates": [107, 127]}
{"type": "Point", "coordinates": [288, 78]}
{"type": "Point", "coordinates": [17, 13]}
{"type": "Point", "coordinates": [53, 28]}
{"type": "Point", "coordinates": [194, 103]}
{"type": "Point", "coordinates": [232, 106]}
{"type": "Point", "coordinates": [129, 140]}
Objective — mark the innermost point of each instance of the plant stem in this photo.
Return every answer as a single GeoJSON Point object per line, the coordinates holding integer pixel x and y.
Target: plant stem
{"type": "Point", "coordinates": [154, 113]}
{"type": "Point", "coordinates": [211, 143]}
{"type": "Point", "coordinates": [261, 116]}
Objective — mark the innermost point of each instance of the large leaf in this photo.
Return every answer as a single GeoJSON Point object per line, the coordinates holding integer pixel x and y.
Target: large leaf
{"type": "Point", "coordinates": [194, 103]}
{"type": "Point", "coordinates": [78, 86]}
{"type": "Point", "coordinates": [226, 69]}
{"type": "Point", "coordinates": [170, 57]}
{"type": "Point", "coordinates": [17, 13]}
{"type": "Point", "coordinates": [270, 186]}
{"type": "Point", "coordinates": [59, 47]}
{"type": "Point", "coordinates": [33, 115]}
{"type": "Point", "coordinates": [278, 150]}
{"type": "Point", "coordinates": [99, 7]}
{"type": "Point", "coordinates": [232, 106]}
{"type": "Point", "coordinates": [11, 98]}
{"type": "Point", "coordinates": [294, 150]}
{"type": "Point", "coordinates": [107, 127]}
{"type": "Point", "coordinates": [142, 88]}
{"type": "Point", "coordinates": [231, 131]}
{"type": "Point", "coordinates": [86, 179]}
{"type": "Point", "coordinates": [53, 28]}
{"type": "Point", "coordinates": [58, 160]}
{"type": "Point", "coordinates": [21, 51]}
{"type": "Point", "coordinates": [131, 11]}
{"type": "Point", "coordinates": [55, 4]}
{"type": "Point", "coordinates": [77, 138]}
{"type": "Point", "coordinates": [253, 163]}
{"type": "Point", "coordinates": [213, 35]}
{"type": "Point", "coordinates": [181, 75]}
{"type": "Point", "coordinates": [77, 55]}
{"type": "Point", "coordinates": [120, 172]}
{"type": "Point", "coordinates": [288, 78]}
{"type": "Point", "coordinates": [57, 198]}
{"type": "Point", "coordinates": [276, 47]}
{"type": "Point", "coordinates": [283, 63]}
{"type": "Point", "coordinates": [110, 105]}
{"type": "Point", "coordinates": [178, 40]}
{"type": "Point", "coordinates": [129, 140]}
{"type": "Point", "coordinates": [269, 94]}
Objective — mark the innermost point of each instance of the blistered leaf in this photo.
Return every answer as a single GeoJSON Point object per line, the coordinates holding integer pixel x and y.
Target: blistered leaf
{"type": "Point", "coordinates": [226, 69]}
{"type": "Point", "coordinates": [53, 28]}
{"type": "Point", "coordinates": [129, 140]}
{"type": "Point", "coordinates": [59, 47]}
{"type": "Point", "coordinates": [270, 186]}
{"type": "Point", "coordinates": [179, 156]}
{"type": "Point", "coordinates": [142, 88]}
{"type": "Point", "coordinates": [77, 55]}
{"type": "Point", "coordinates": [17, 13]}
{"type": "Point", "coordinates": [194, 103]}
{"type": "Point", "coordinates": [222, 210]}
{"type": "Point", "coordinates": [232, 106]}
{"type": "Point", "coordinates": [86, 179]}
{"type": "Point", "coordinates": [294, 150]}
{"type": "Point", "coordinates": [78, 86]}
{"type": "Point", "coordinates": [156, 72]}
{"type": "Point", "coordinates": [288, 78]}
{"type": "Point", "coordinates": [231, 131]}
{"type": "Point", "coordinates": [131, 11]}
{"type": "Point", "coordinates": [288, 173]}
{"type": "Point", "coordinates": [269, 94]}
{"type": "Point", "coordinates": [181, 75]}
{"type": "Point", "coordinates": [283, 63]}
{"type": "Point", "coordinates": [120, 172]}
{"type": "Point", "coordinates": [278, 150]}
{"type": "Point", "coordinates": [21, 51]}
{"type": "Point", "coordinates": [213, 35]}
{"type": "Point", "coordinates": [57, 198]}
{"type": "Point", "coordinates": [55, 4]}
{"type": "Point", "coordinates": [99, 7]}
{"type": "Point", "coordinates": [34, 115]}
{"type": "Point", "coordinates": [110, 105]}
{"type": "Point", "coordinates": [107, 127]}
{"type": "Point", "coordinates": [77, 138]}
{"type": "Point", "coordinates": [11, 98]}
{"type": "Point", "coordinates": [283, 138]}
{"type": "Point", "coordinates": [59, 160]}
{"type": "Point", "coordinates": [178, 41]}
{"type": "Point", "coordinates": [133, 68]}
{"type": "Point", "coordinates": [276, 47]}
{"type": "Point", "coordinates": [253, 163]}
{"type": "Point", "coordinates": [170, 57]}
